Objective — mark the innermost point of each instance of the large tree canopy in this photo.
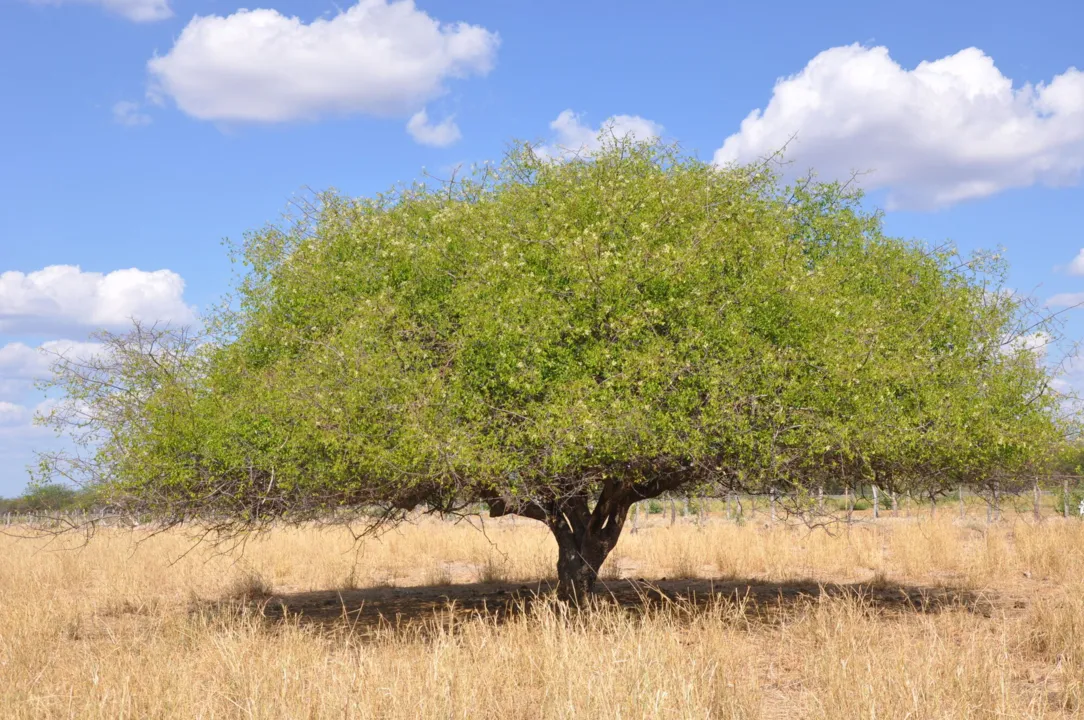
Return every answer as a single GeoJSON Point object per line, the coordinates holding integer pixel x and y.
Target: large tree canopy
{"type": "Point", "coordinates": [561, 339]}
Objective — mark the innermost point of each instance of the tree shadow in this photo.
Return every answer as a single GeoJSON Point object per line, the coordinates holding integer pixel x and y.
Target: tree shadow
{"type": "Point", "coordinates": [368, 609]}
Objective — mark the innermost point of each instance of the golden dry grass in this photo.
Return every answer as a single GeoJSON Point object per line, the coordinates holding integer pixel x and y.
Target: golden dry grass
{"type": "Point", "coordinates": [126, 629]}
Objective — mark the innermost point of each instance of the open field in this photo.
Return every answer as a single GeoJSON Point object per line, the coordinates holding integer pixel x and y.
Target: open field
{"type": "Point", "coordinates": [918, 618]}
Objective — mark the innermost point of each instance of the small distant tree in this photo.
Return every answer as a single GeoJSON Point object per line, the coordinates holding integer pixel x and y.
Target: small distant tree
{"type": "Point", "coordinates": [560, 340]}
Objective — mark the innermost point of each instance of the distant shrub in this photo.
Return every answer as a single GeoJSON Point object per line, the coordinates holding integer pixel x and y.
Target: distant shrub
{"type": "Point", "coordinates": [1075, 498]}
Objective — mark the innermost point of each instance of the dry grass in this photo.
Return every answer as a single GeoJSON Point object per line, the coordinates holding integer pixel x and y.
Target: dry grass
{"type": "Point", "coordinates": [120, 629]}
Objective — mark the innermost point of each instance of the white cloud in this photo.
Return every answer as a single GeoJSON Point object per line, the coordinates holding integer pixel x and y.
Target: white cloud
{"type": "Point", "coordinates": [21, 364]}
{"type": "Point", "coordinates": [1076, 267]}
{"type": "Point", "coordinates": [63, 296]}
{"type": "Point", "coordinates": [135, 10]}
{"type": "Point", "coordinates": [129, 113]}
{"type": "Point", "coordinates": [12, 414]}
{"type": "Point", "coordinates": [948, 130]}
{"type": "Point", "coordinates": [424, 132]}
{"type": "Point", "coordinates": [1036, 342]}
{"type": "Point", "coordinates": [1065, 299]}
{"type": "Point", "coordinates": [377, 57]}
{"type": "Point", "coordinates": [572, 137]}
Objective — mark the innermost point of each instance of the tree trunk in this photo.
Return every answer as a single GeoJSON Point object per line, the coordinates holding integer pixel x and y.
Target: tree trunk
{"type": "Point", "coordinates": [876, 503]}
{"type": "Point", "coordinates": [895, 505]}
{"type": "Point", "coordinates": [820, 498]}
{"type": "Point", "coordinates": [584, 540]}
{"type": "Point", "coordinates": [585, 535]}
{"type": "Point", "coordinates": [673, 512]}
{"type": "Point", "coordinates": [577, 570]}
{"type": "Point", "coordinates": [771, 503]}
{"type": "Point", "coordinates": [1035, 502]}
{"type": "Point", "coordinates": [960, 494]}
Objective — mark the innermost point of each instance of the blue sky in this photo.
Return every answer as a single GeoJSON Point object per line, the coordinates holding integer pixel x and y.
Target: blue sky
{"type": "Point", "coordinates": [137, 134]}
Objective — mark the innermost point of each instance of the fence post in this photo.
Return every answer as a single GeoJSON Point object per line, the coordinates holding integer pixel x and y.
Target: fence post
{"type": "Point", "coordinates": [685, 508]}
{"type": "Point", "coordinates": [673, 512]}
{"type": "Point", "coordinates": [960, 495]}
{"type": "Point", "coordinates": [876, 503]}
{"type": "Point", "coordinates": [635, 518]}
{"type": "Point", "coordinates": [820, 498]}
{"type": "Point", "coordinates": [1035, 501]}
{"type": "Point", "coordinates": [771, 502]}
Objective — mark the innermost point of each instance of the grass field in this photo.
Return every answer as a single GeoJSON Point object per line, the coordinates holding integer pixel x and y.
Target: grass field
{"type": "Point", "coordinates": [907, 617]}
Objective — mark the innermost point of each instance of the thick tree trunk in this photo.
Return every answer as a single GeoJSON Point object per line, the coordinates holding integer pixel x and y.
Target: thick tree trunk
{"type": "Point", "coordinates": [583, 543]}
{"type": "Point", "coordinates": [577, 570]}
{"type": "Point", "coordinates": [585, 534]}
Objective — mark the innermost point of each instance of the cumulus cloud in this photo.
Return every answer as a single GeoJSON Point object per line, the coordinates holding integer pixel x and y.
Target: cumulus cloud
{"type": "Point", "coordinates": [12, 414]}
{"type": "Point", "coordinates": [1066, 300]}
{"type": "Point", "coordinates": [64, 296]}
{"type": "Point", "coordinates": [572, 136]}
{"type": "Point", "coordinates": [424, 132]}
{"type": "Point", "coordinates": [949, 130]}
{"type": "Point", "coordinates": [134, 10]}
{"type": "Point", "coordinates": [130, 113]}
{"type": "Point", "coordinates": [1036, 342]}
{"type": "Point", "coordinates": [1076, 267]}
{"type": "Point", "coordinates": [377, 57]}
{"type": "Point", "coordinates": [22, 364]}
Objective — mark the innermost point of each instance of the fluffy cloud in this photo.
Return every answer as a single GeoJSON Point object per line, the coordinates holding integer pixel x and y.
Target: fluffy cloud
{"type": "Point", "coordinates": [63, 296]}
{"type": "Point", "coordinates": [1076, 267]}
{"type": "Point", "coordinates": [572, 137]}
{"type": "Point", "coordinates": [21, 364]}
{"type": "Point", "coordinates": [1036, 342]}
{"type": "Point", "coordinates": [1066, 300]}
{"type": "Point", "coordinates": [424, 132]}
{"type": "Point", "coordinates": [12, 414]}
{"type": "Point", "coordinates": [377, 57]}
{"type": "Point", "coordinates": [129, 113]}
{"type": "Point", "coordinates": [948, 130]}
{"type": "Point", "coordinates": [135, 10]}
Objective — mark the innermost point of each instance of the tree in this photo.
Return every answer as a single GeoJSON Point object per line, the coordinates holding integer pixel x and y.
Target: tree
{"type": "Point", "coordinates": [560, 340]}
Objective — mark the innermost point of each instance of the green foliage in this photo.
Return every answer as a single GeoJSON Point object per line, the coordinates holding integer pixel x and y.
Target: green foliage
{"type": "Point", "coordinates": [47, 498]}
{"type": "Point", "coordinates": [1075, 497]}
{"type": "Point", "coordinates": [654, 507]}
{"type": "Point", "coordinates": [545, 328]}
